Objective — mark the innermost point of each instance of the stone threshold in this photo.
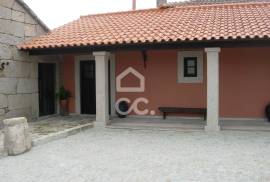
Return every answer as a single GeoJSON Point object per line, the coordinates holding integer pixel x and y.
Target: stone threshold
{"type": "Point", "coordinates": [157, 128]}
{"type": "Point", "coordinates": [61, 134]}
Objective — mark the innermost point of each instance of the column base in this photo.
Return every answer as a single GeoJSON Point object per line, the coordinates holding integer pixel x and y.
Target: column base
{"type": "Point", "coordinates": [101, 124]}
{"type": "Point", "coordinates": [212, 128]}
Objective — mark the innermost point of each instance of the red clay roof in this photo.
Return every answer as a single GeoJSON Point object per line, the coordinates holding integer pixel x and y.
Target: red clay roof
{"type": "Point", "coordinates": [209, 2]}
{"type": "Point", "coordinates": [174, 24]}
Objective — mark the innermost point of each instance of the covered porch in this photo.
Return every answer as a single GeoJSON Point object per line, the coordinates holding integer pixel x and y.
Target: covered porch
{"type": "Point", "coordinates": [109, 69]}
{"type": "Point", "coordinates": [226, 94]}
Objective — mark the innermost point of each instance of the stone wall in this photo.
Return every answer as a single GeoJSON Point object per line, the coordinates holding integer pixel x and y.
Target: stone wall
{"type": "Point", "coordinates": [19, 80]}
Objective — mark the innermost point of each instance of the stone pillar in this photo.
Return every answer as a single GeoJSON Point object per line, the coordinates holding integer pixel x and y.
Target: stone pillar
{"type": "Point", "coordinates": [17, 136]}
{"type": "Point", "coordinates": [102, 95]}
{"type": "Point", "coordinates": [212, 89]}
{"type": "Point", "coordinates": [113, 84]}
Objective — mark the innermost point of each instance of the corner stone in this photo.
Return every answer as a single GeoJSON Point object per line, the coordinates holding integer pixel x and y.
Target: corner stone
{"type": "Point", "coordinates": [3, 151]}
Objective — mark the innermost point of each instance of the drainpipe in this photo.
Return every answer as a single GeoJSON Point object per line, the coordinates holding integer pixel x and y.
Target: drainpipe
{"type": "Point", "coordinates": [161, 2]}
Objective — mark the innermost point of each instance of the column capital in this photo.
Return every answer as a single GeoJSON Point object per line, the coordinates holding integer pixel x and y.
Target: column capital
{"type": "Point", "coordinates": [212, 49]}
{"type": "Point", "coordinates": [101, 53]}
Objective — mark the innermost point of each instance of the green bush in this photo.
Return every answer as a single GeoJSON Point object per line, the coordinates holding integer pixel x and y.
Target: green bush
{"type": "Point", "coordinates": [63, 94]}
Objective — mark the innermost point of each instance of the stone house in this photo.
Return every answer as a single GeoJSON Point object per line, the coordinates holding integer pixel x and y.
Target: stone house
{"type": "Point", "coordinates": [18, 70]}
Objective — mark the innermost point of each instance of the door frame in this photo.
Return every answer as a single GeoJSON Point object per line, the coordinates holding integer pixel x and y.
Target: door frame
{"type": "Point", "coordinates": [78, 59]}
{"type": "Point", "coordinates": [57, 86]}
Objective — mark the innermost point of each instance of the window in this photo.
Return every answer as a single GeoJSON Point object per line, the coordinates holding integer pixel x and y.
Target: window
{"type": "Point", "coordinates": [190, 67]}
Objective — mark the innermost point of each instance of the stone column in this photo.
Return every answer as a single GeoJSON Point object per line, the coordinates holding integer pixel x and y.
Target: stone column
{"type": "Point", "coordinates": [212, 89]}
{"type": "Point", "coordinates": [113, 84]}
{"type": "Point", "coordinates": [102, 95]}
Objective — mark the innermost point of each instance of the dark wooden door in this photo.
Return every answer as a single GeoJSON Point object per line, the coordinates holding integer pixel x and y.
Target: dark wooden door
{"type": "Point", "coordinates": [46, 87]}
{"type": "Point", "coordinates": [88, 87]}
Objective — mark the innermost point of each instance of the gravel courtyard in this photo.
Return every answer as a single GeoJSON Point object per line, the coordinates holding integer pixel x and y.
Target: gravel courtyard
{"type": "Point", "coordinates": [136, 155]}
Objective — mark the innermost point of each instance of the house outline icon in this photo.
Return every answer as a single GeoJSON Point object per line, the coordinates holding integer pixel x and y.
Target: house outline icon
{"type": "Point", "coordinates": [128, 71]}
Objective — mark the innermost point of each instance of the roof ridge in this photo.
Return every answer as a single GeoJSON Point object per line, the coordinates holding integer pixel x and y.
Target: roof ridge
{"type": "Point", "coordinates": [211, 2]}
{"type": "Point", "coordinates": [221, 4]}
{"type": "Point", "coordinates": [119, 12]}
{"type": "Point", "coordinates": [176, 7]}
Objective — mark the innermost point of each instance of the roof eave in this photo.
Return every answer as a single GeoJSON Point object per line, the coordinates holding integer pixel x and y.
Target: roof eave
{"type": "Point", "coordinates": [232, 43]}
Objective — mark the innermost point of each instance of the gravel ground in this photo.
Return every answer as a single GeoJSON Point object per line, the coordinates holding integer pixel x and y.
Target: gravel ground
{"type": "Point", "coordinates": [124, 155]}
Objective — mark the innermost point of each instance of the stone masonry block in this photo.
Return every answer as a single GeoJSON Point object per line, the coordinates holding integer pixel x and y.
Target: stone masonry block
{"type": "Point", "coordinates": [6, 26]}
{"type": "Point", "coordinates": [8, 85]}
{"type": "Point", "coordinates": [17, 69]}
{"type": "Point", "coordinates": [18, 29]}
{"type": "Point", "coordinates": [17, 16]}
{"type": "Point", "coordinates": [19, 101]}
{"type": "Point", "coordinates": [5, 13]}
{"type": "Point", "coordinates": [7, 3]}
{"type": "Point", "coordinates": [19, 55]}
{"type": "Point", "coordinates": [27, 86]}
{"type": "Point", "coordinates": [3, 151]}
{"type": "Point", "coordinates": [29, 19]}
{"type": "Point", "coordinates": [10, 39]}
{"type": "Point", "coordinates": [34, 70]}
{"type": "Point", "coordinates": [22, 112]}
{"type": "Point", "coordinates": [30, 30]}
{"type": "Point", "coordinates": [16, 6]}
{"type": "Point", "coordinates": [35, 106]}
{"type": "Point", "coordinates": [2, 112]}
{"type": "Point", "coordinates": [40, 30]}
{"type": "Point", "coordinates": [3, 101]}
{"type": "Point", "coordinates": [5, 52]}
{"type": "Point", "coordinates": [17, 136]}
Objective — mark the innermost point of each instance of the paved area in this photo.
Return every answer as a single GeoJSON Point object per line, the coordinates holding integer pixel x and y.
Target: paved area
{"type": "Point", "coordinates": [188, 124]}
{"type": "Point", "coordinates": [56, 124]}
{"type": "Point", "coordinates": [143, 155]}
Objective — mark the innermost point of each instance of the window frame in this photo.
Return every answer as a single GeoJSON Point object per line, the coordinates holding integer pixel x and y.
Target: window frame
{"type": "Point", "coordinates": [182, 55]}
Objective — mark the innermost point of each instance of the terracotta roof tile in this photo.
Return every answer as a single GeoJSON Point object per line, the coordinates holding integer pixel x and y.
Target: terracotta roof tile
{"type": "Point", "coordinates": [180, 23]}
